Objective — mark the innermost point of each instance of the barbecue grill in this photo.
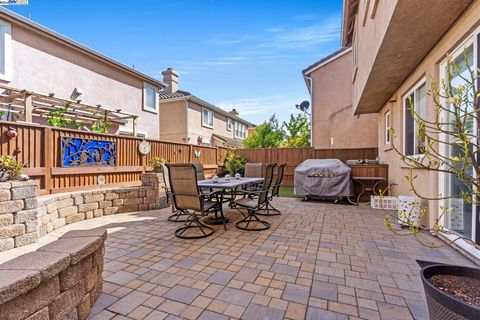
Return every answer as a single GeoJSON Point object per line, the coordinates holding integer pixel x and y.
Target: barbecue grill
{"type": "Point", "coordinates": [323, 178]}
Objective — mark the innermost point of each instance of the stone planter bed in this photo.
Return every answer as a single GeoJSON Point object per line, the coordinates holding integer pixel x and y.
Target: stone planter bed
{"type": "Point", "coordinates": [60, 280]}
{"type": "Point", "coordinates": [26, 217]}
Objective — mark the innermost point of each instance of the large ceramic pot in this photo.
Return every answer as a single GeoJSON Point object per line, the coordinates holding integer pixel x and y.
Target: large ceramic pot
{"type": "Point", "coordinates": [441, 305]}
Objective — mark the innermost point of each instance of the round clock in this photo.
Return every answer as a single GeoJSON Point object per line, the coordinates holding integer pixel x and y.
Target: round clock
{"type": "Point", "coordinates": [144, 147]}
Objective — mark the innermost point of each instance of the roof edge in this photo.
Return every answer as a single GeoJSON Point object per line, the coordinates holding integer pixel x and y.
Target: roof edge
{"type": "Point", "coordinates": [326, 60]}
{"type": "Point", "coordinates": [79, 46]}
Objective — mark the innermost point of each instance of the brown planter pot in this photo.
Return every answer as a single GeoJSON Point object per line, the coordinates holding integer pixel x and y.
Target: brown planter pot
{"type": "Point", "coordinates": [158, 169]}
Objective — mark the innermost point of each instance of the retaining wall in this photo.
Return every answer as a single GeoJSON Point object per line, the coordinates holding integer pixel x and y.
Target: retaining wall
{"type": "Point", "coordinates": [26, 217]}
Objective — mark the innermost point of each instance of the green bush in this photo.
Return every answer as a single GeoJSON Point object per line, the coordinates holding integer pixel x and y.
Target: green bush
{"type": "Point", "coordinates": [235, 163]}
{"type": "Point", "coordinates": [11, 166]}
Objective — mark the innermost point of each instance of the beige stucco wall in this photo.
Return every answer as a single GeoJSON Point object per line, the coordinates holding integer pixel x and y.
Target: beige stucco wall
{"type": "Point", "coordinates": [196, 129]}
{"type": "Point", "coordinates": [173, 121]}
{"type": "Point", "coordinates": [370, 36]}
{"type": "Point", "coordinates": [427, 183]}
{"type": "Point", "coordinates": [332, 112]}
{"type": "Point", "coordinates": [45, 65]}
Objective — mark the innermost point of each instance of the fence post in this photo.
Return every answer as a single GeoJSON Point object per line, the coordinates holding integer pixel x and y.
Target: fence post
{"type": "Point", "coordinates": [48, 158]}
{"type": "Point", "coordinates": [190, 151]}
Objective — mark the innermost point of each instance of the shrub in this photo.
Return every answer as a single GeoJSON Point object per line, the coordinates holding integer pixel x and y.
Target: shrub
{"type": "Point", "coordinates": [235, 163]}
{"type": "Point", "coordinates": [156, 161]}
{"type": "Point", "coordinates": [10, 166]}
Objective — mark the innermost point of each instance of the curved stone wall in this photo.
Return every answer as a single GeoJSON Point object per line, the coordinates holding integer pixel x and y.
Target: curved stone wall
{"type": "Point", "coordinates": [60, 280]}
{"type": "Point", "coordinates": [26, 217]}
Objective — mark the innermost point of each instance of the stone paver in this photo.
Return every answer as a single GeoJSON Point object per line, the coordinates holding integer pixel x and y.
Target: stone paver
{"type": "Point", "coordinates": [317, 261]}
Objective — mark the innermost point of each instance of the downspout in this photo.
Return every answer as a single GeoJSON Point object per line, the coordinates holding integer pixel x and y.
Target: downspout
{"type": "Point", "coordinates": [309, 82]}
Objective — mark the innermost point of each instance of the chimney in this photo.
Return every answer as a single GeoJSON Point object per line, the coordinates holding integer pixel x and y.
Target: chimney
{"type": "Point", "coordinates": [234, 112]}
{"type": "Point", "coordinates": [170, 77]}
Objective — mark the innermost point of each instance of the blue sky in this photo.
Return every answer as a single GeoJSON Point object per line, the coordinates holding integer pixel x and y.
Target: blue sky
{"type": "Point", "coordinates": [245, 54]}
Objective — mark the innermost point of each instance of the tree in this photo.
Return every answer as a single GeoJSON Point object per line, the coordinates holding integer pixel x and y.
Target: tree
{"type": "Point", "coordinates": [266, 135]}
{"type": "Point", "coordinates": [297, 131]}
{"type": "Point", "coordinates": [449, 145]}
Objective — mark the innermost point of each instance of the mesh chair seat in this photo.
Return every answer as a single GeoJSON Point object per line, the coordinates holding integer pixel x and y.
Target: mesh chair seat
{"type": "Point", "coordinates": [247, 202]}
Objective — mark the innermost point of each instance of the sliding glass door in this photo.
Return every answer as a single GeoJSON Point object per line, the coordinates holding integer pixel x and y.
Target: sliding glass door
{"type": "Point", "coordinates": [462, 216]}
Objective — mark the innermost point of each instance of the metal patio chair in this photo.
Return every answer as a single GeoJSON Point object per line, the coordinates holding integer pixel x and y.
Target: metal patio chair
{"type": "Point", "coordinates": [274, 191]}
{"type": "Point", "coordinates": [177, 215]}
{"type": "Point", "coordinates": [187, 197]}
{"type": "Point", "coordinates": [253, 202]}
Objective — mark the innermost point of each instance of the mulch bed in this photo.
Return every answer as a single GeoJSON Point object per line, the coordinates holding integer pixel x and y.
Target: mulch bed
{"type": "Point", "coordinates": [461, 287]}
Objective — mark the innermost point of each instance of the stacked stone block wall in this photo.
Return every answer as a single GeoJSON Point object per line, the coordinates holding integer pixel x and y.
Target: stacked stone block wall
{"type": "Point", "coordinates": [60, 280]}
{"type": "Point", "coordinates": [25, 217]}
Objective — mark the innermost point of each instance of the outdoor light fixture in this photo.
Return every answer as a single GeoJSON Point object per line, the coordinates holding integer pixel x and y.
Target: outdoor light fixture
{"type": "Point", "coordinates": [77, 92]}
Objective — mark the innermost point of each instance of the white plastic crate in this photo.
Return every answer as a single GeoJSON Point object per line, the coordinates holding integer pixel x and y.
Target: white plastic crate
{"type": "Point", "coordinates": [384, 202]}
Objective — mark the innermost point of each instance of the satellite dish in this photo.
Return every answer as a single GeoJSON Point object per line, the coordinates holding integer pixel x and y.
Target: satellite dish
{"type": "Point", "coordinates": [304, 106]}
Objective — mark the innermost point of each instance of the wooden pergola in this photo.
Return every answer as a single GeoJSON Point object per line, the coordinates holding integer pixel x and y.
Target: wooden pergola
{"type": "Point", "coordinates": [25, 105]}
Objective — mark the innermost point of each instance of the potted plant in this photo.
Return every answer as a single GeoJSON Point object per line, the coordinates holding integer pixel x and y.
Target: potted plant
{"type": "Point", "coordinates": [156, 163]}
{"type": "Point", "coordinates": [449, 145]}
{"type": "Point", "coordinates": [10, 169]}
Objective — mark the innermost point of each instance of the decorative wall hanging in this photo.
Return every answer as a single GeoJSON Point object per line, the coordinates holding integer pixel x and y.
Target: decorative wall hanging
{"type": "Point", "coordinates": [78, 152]}
{"type": "Point", "coordinates": [197, 153]}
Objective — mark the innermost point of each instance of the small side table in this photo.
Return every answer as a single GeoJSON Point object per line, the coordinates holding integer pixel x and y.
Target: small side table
{"type": "Point", "coordinates": [367, 184]}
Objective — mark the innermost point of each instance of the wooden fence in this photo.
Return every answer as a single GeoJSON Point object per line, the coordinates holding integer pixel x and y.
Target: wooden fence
{"type": "Point", "coordinates": [294, 156]}
{"type": "Point", "coordinates": [39, 148]}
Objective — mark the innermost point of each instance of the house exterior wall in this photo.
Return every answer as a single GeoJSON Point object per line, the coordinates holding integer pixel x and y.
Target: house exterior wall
{"type": "Point", "coordinates": [196, 129]}
{"type": "Point", "coordinates": [333, 122]}
{"type": "Point", "coordinates": [173, 121]}
{"type": "Point", "coordinates": [43, 64]}
{"type": "Point", "coordinates": [427, 183]}
{"type": "Point", "coordinates": [371, 35]}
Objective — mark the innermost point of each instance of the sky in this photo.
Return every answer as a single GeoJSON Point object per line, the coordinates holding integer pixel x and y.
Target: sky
{"type": "Point", "coordinates": [241, 54]}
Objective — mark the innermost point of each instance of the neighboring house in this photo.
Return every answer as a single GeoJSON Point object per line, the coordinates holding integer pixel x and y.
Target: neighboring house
{"type": "Point", "coordinates": [188, 119]}
{"type": "Point", "coordinates": [399, 48]}
{"type": "Point", "coordinates": [38, 59]}
{"type": "Point", "coordinates": [334, 125]}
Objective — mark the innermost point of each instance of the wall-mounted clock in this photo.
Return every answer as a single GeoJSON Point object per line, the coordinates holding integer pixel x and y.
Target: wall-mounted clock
{"type": "Point", "coordinates": [144, 147]}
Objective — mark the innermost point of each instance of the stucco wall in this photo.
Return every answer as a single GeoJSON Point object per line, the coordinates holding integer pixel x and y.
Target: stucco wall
{"type": "Point", "coordinates": [427, 183]}
{"type": "Point", "coordinates": [44, 65]}
{"type": "Point", "coordinates": [195, 128]}
{"type": "Point", "coordinates": [173, 121]}
{"type": "Point", "coordinates": [332, 112]}
{"type": "Point", "coordinates": [368, 40]}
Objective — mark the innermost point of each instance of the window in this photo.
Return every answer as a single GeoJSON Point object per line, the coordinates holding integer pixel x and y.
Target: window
{"type": "Point", "coordinates": [150, 98]}
{"type": "Point", "coordinates": [5, 50]}
{"type": "Point", "coordinates": [388, 126]}
{"type": "Point", "coordinates": [240, 130]}
{"type": "Point", "coordinates": [415, 100]}
{"type": "Point", "coordinates": [207, 118]}
{"type": "Point", "coordinates": [229, 124]}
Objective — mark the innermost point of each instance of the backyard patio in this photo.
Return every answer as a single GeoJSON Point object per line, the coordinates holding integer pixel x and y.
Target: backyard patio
{"type": "Point", "coordinates": [317, 261]}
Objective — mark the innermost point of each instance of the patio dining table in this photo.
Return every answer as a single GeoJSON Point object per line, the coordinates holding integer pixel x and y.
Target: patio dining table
{"type": "Point", "coordinates": [224, 185]}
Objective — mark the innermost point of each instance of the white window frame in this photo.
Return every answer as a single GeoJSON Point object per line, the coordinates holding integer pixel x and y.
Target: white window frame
{"type": "Point", "coordinates": [238, 127]}
{"type": "Point", "coordinates": [413, 90]}
{"type": "Point", "coordinates": [147, 86]}
{"type": "Point", "coordinates": [442, 185]}
{"type": "Point", "coordinates": [5, 51]}
{"type": "Point", "coordinates": [205, 121]}
{"type": "Point", "coordinates": [388, 127]}
{"type": "Point", "coordinates": [229, 124]}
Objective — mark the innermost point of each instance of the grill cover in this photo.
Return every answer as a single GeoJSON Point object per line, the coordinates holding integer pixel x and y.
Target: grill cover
{"type": "Point", "coordinates": [323, 178]}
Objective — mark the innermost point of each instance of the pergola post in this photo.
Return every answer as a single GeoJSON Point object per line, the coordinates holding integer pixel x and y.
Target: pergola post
{"type": "Point", "coordinates": [134, 129]}
{"type": "Point", "coordinates": [28, 107]}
